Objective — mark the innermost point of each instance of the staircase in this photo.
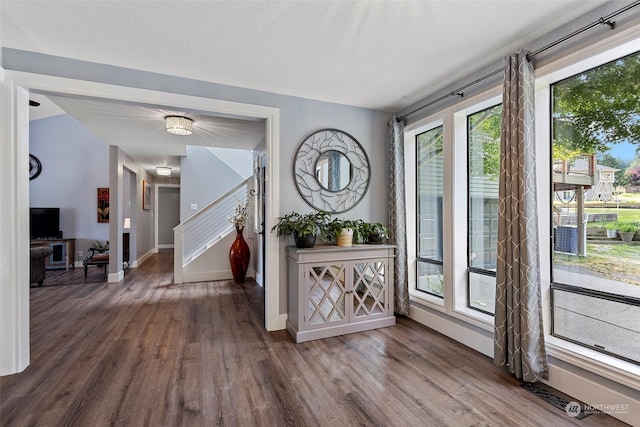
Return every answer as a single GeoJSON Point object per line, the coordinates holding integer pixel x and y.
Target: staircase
{"type": "Point", "coordinates": [201, 243]}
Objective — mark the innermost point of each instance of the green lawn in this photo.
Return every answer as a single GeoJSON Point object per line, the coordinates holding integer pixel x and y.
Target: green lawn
{"type": "Point", "coordinates": [624, 214]}
{"type": "Point", "coordinates": [619, 261]}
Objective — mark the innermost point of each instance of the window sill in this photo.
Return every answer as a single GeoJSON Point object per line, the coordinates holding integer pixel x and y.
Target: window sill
{"type": "Point", "coordinates": [475, 317]}
{"type": "Point", "coordinates": [625, 373]}
{"type": "Point", "coordinates": [427, 300]}
{"type": "Point", "coordinates": [464, 314]}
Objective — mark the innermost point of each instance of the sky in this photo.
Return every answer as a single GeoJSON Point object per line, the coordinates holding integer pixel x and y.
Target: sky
{"type": "Point", "coordinates": [623, 151]}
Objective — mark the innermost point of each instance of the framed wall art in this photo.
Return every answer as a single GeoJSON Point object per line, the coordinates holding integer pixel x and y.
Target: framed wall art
{"type": "Point", "coordinates": [146, 195]}
{"type": "Point", "coordinates": [103, 205]}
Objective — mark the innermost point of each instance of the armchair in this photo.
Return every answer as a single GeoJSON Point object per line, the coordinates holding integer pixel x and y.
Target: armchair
{"type": "Point", "coordinates": [99, 256]}
{"type": "Point", "coordinates": [38, 257]}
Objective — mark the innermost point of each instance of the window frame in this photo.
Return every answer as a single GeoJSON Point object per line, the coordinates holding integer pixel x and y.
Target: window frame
{"type": "Point", "coordinates": [418, 132]}
{"type": "Point", "coordinates": [594, 361]}
{"type": "Point", "coordinates": [410, 143]}
{"type": "Point", "coordinates": [475, 270]}
{"type": "Point", "coordinates": [550, 67]}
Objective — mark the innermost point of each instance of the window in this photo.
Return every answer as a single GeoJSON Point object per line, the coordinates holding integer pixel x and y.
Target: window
{"type": "Point", "coordinates": [483, 141]}
{"type": "Point", "coordinates": [429, 274]}
{"type": "Point", "coordinates": [595, 122]}
{"type": "Point", "coordinates": [590, 301]}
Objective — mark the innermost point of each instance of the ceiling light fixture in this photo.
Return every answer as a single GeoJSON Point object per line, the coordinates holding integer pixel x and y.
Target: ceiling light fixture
{"type": "Point", "coordinates": [163, 171]}
{"type": "Point", "coordinates": [179, 125]}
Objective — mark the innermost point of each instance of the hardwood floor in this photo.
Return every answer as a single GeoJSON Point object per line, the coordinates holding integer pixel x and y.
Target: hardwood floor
{"type": "Point", "coordinates": [145, 352]}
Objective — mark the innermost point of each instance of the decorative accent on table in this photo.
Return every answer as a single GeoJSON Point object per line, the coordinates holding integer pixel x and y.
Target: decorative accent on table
{"type": "Point", "coordinates": [331, 170]}
{"type": "Point", "coordinates": [374, 232]}
{"type": "Point", "coordinates": [103, 205]}
{"type": "Point", "coordinates": [304, 228]}
{"type": "Point", "coordinates": [146, 195]}
{"type": "Point", "coordinates": [239, 253]}
{"type": "Point", "coordinates": [345, 238]}
{"type": "Point", "coordinates": [35, 167]}
{"type": "Point", "coordinates": [346, 232]}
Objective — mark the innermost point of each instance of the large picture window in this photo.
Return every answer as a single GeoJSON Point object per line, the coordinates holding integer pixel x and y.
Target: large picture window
{"type": "Point", "coordinates": [587, 129]}
{"type": "Point", "coordinates": [483, 137]}
{"type": "Point", "coordinates": [595, 214]}
{"type": "Point", "coordinates": [429, 145]}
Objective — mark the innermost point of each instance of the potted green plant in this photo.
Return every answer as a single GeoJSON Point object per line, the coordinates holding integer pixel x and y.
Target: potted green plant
{"type": "Point", "coordinates": [374, 232]}
{"type": "Point", "coordinates": [626, 230]}
{"type": "Point", "coordinates": [344, 231]}
{"type": "Point", "coordinates": [611, 228]}
{"type": "Point", "coordinates": [304, 228]}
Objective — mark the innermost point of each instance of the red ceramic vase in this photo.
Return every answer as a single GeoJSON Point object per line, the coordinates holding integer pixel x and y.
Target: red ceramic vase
{"type": "Point", "coordinates": [239, 257]}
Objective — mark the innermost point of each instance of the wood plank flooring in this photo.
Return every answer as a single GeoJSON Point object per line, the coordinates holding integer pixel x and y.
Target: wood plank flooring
{"type": "Point", "coordinates": [145, 352]}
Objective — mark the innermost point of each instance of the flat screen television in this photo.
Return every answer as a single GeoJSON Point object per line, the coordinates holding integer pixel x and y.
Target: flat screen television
{"type": "Point", "coordinates": [44, 223]}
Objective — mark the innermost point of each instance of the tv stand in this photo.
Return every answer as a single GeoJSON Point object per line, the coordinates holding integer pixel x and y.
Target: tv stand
{"type": "Point", "coordinates": [63, 252]}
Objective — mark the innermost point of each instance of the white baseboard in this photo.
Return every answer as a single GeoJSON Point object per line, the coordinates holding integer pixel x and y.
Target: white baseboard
{"type": "Point", "coordinates": [206, 276]}
{"type": "Point", "coordinates": [574, 381]}
{"type": "Point", "coordinates": [469, 335]}
{"type": "Point", "coordinates": [143, 258]}
{"type": "Point", "coordinates": [608, 396]}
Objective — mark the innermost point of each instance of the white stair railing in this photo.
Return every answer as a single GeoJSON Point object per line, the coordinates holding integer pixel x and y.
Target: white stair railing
{"type": "Point", "coordinates": [198, 233]}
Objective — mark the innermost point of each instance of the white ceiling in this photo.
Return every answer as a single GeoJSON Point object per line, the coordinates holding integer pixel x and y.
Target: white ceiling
{"type": "Point", "coordinates": [139, 130]}
{"type": "Point", "coordinates": [376, 54]}
{"type": "Point", "coordinates": [383, 55]}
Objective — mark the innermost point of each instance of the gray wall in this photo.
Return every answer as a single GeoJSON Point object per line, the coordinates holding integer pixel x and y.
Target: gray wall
{"type": "Point", "coordinates": [168, 213]}
{"type": "Point", "coordinates": [298, 116]}
{"type": "Point", "coordinates": [203, 179]}
{"type": "Point", "coordinates": [75, 162]}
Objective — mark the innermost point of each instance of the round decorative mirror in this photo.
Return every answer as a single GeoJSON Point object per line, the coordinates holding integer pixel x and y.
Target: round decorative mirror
{"type": "Point", "coordinates": [331, 170]}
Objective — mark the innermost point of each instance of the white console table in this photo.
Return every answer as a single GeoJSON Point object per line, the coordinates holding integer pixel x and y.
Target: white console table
{"type": "Point", "coordinates": [63, 252]}
{"type": "Point", "coordinates": [336, 290]}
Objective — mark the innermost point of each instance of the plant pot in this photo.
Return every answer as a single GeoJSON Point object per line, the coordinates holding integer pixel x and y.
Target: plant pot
{"type": "Point", "coordinates": [239, 257]}
{"type": "Point", "coordinates": [304, 242]}
{"type": "Point", "coordinates": [612, 234]}
{"type": "Point", "coordinates": [626, 236]}
{"type": "Point", "coordinates": [345, 238]}
{"type": "Point", "coordinates": [375, 238]}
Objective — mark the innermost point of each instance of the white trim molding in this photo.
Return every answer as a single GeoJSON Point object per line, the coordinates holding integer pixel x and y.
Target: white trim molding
{"type": "Point", "coordinates": [14, 191]}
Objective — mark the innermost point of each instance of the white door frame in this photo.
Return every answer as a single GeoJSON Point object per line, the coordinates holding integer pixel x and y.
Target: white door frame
{"type": "Point", "coordinates": [260, 226]}
{"type": "Point", "coordinates": [14, 192]}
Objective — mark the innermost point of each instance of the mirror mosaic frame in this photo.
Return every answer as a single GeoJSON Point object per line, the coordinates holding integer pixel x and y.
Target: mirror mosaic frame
{"type": "Point", "coordinates": [304, 164]}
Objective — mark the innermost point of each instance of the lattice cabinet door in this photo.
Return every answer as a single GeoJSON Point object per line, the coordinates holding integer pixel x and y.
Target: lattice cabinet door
{"type": "Point", "coordinates": [370, 295]}
{"type": "Point", "coordinates": [325, 295]}
{"type": "Point", "coordinates": [334, 290]}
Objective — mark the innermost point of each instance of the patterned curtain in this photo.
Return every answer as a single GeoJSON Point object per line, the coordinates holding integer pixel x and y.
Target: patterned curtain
{"type": "Point", "coordinates": [519, 335]}
{"type": "Point", "coordinates": [397, 218]}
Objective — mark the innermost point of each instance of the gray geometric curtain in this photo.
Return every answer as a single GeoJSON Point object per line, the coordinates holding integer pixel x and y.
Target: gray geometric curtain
{"type": "Point", "coordinates": [397, 218]}
{"type": "Point", "coordinates": [519, 335]}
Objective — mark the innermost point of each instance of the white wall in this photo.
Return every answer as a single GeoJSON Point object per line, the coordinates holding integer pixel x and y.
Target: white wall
{"type": "Point", "coordinates": [75, 162]}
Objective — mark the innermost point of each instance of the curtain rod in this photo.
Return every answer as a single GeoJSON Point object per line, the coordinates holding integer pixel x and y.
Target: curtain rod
{"type": "Point", "coordinates": [605, 20]}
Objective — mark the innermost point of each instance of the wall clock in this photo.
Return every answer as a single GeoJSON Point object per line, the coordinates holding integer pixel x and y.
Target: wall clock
{"type": "Point", "coordinates": [35, 167]}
